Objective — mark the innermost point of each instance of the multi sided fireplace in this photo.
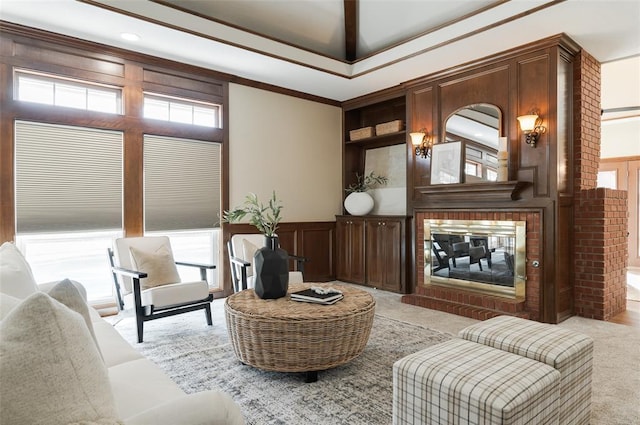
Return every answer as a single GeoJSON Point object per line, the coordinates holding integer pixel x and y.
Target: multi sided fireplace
{"type": "Point", "coordinates": [486, 256]}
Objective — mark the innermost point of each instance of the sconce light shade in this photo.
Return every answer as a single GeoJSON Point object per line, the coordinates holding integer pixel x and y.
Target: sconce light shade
{"type": "Point", "coordinates": [527, 122]}
{"type": "Point", "coordinates": [420, 142]}
{"type": "Point", "coordinates": [417, 138]}
{"type": "Point", "coordinates": [531, 126]}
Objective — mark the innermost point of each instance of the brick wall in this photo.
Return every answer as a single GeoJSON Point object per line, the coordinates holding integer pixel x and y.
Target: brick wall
{"type": "Point", "coordinates": [600, 286]}
{"type": "Point", "coordinates": [586, 102]}
{"type": "Point", "coordinates": [600, 218]}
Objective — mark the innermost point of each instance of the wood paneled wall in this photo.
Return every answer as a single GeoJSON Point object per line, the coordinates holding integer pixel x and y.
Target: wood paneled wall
{"type": "Point", "coordinates": [536, 77]}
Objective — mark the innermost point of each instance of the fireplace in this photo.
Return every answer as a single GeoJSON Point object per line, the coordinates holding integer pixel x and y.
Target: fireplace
{"type": "Point", "coordinates": [480, 300]}
{"type": "Point", "coordinates": [485, 256]}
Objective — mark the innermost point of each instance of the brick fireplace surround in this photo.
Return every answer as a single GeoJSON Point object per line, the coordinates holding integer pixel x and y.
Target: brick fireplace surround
{"type": "Point", "coordinates": [598, 238]}
{"type": "Point", "coordinates": [473, 304]}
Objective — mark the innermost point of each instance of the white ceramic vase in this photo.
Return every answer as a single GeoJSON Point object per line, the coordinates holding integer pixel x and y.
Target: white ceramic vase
{"type": "Point", "coordinates": [358, 203]}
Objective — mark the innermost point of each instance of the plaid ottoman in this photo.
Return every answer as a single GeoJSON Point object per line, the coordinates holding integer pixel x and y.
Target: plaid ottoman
{"type": "Point", "coordinates": [461, 382]}
{"type": "Point", "coordinates": [569, 352]}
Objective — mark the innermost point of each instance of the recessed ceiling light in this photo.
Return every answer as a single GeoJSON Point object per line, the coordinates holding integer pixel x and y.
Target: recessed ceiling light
{"type": "Point", "coordinates": [129, 36]}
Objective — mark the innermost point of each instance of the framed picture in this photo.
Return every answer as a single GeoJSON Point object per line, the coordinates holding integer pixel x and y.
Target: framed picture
{"type": "Point", "coordinates": [446, 163]}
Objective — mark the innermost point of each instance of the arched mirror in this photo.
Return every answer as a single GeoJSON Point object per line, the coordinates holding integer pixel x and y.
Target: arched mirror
{"type": "Point", "coordinates": [477, 127]}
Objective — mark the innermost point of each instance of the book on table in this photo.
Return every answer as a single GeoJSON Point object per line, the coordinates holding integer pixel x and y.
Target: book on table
{"type": "Point", "coordinates": [311, 296]}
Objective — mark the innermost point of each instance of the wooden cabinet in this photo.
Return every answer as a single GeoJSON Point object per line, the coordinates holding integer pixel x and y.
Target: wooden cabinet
{"type": "Point", "coordinates": [385, 253]}
{"type": "Point", "coordinates": [372, 250]}
{"type": "Point", "coordinates": [350, 259]}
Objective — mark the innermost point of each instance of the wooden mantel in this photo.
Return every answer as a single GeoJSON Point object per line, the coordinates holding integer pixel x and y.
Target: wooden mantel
{"type": "Point", "coordinates": [474, 192]}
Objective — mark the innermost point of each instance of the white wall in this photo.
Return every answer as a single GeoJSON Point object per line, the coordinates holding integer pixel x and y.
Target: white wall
{"type": "Point", "coordinates": [286, 144]}
{"type": "Point", "coordinates": [620, 138]}
{"type": "Point", "coordinates": [621, 89]}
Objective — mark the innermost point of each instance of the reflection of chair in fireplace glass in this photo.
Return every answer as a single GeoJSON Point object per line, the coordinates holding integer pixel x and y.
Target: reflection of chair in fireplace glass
{"type": "Point", "coordinates": [444, 243]}
{"type": "Point", "coordinates": [475, 253]}
{"type": "Point", "coordinates": [483, 241]}
{"type": "Point", "coordinates": [441, 257]}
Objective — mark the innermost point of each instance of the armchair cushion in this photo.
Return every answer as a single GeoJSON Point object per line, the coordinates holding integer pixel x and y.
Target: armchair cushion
{"type": "Point", "coordinates": [249, 250]}
{"type": "Point", "coordinates": [16, 278]}
{"type": "Point", "coordinates": [158, 264]}
{"type": "Point", "coordinates": [51, 372]}
{"type": "Point", "coordinates": [177, 293]}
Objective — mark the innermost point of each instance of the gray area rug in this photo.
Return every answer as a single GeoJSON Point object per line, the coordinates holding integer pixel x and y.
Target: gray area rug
{"type": "Point", "coordinates": [198, 357]}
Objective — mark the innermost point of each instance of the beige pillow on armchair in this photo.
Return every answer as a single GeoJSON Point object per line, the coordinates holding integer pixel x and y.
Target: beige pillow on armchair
{"type": "Point", "coordinates": [159, 266]}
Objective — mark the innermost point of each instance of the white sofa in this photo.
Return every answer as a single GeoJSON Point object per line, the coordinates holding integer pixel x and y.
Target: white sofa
{"type": "Point", "coordinates": [110, 384]}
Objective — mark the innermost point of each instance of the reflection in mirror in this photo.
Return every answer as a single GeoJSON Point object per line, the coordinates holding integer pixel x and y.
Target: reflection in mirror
{"type": "Point", "coordinates": [478, 128]}
{"type": "Point", "coordinates": [474, 254]}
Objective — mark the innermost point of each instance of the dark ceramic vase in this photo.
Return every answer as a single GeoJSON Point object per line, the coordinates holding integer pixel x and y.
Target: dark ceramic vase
{"type": "Point", "coordinates": [271, 270]}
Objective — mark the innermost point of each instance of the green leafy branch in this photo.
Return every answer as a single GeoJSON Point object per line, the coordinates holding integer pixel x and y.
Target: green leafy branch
{"type": "Point", "coordinates": [367, 182]}
{"type": "Point", "coordinates": [264, 217]}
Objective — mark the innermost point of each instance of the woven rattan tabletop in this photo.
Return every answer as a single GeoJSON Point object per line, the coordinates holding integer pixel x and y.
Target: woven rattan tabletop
{"type": "Point", "coordinates": [249, 304]}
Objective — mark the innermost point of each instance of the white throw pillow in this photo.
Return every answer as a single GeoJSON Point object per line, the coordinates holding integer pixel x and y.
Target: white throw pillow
{"type": "Point", "coordinates": [16, 278]}
{"type": "Point", "coordinates": [248, 252]}
{"type": "Point", "coordinates": [51, 370]}
{"type": "Point", "coordinates": [66, 293]}
{"type": "Point", "coordinates": [159, 266]}
{"type": "Point", "coordinates": [7, 303]}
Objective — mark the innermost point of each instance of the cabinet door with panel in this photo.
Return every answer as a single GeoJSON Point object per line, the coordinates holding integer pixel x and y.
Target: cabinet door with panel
{"type": "Point", "coordinates": [385, 256]}
{"type": "Point", "coordinates": [350, 249]}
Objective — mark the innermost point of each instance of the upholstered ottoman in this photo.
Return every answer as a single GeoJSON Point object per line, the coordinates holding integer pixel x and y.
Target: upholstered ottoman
{"type": "Point", "coordinates": [461, 382]}
{"type": "Point", "coordinates": [569, 352]}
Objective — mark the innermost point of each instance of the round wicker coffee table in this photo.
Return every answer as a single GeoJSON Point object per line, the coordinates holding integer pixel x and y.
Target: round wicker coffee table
{"type": "Point", "coordinates": [291, 336]}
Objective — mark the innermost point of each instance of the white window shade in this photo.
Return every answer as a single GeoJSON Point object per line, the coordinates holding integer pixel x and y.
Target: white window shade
{"type": "Point", "coordinates": [67, 178]}
{"type": "Point", "coordinates": [181, 183]}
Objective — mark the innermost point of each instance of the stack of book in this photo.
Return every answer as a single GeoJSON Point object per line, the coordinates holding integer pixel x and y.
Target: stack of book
{"type": "Point", "coordinates": [319, 297]}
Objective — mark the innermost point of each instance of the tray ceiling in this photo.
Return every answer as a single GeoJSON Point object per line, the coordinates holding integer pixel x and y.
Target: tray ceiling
{"type": "Point", "coordinates": [304, 45]}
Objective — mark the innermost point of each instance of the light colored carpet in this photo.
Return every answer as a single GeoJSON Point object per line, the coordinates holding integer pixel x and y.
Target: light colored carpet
{"type": "Point", "coordinates": [199, 357]}
{"type": "Point", "coordinates": [357, 393]}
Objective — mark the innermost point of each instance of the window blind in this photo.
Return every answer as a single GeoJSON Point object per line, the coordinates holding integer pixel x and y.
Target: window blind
{"type": "Point", "coordinates": [181, 184]}
{"type": "Point", "coordinates": [67, 178]}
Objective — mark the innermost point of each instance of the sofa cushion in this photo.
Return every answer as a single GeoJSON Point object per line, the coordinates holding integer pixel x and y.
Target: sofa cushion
{"type": "Point", "coordinates": [16, 277]}
{"type": "Point", "coordinates": [159, 265]}
{"type": "Point", "coordinates": [46, 287]}
{"type": "Point", "coordinates": [51, 370]}
{"type": "Point", "coordinates": [66, 293]}
{"type": "Point", "coordinates": [139, 385]}
{"type": "Point", "coordinates": [206, 407]}
{"type": "Point", "coordinates": [115, 350]}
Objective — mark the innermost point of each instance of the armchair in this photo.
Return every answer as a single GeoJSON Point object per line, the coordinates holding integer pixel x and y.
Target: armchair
{"type": "Point", "coordinates": [242, 248]}
{"type": "Point", "coordinates": [146, 278]}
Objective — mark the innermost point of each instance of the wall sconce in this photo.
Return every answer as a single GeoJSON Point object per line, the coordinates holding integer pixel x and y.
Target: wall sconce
{"type": "Point", "coordinates": [421, 142]}
{"type": "Point", "coordinates": [532, 127]}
